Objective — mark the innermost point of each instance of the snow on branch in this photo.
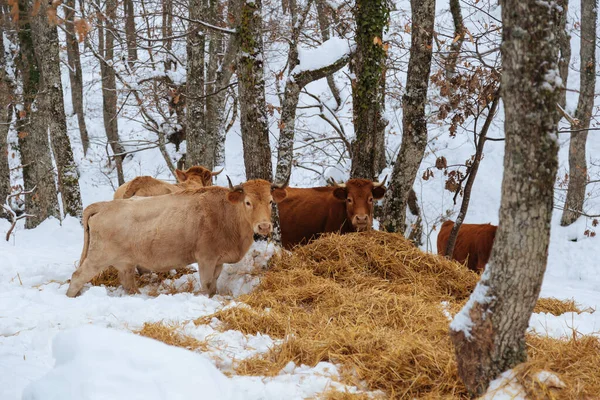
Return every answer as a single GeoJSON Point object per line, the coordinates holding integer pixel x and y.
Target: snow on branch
{"type": "Point", "coordinates": [11, 213]}
{"type": "Point", "coordinates": [462, 321]}
{"type": "Point", "coordinates": [317, 63]}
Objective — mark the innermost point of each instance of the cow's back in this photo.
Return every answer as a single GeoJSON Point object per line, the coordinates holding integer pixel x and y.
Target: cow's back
{"type": "Point", "coordinates": [473, 243]}
{"type": "Point", "coordinates": [308, 212]}
{"type": "Point", "coordinates": [164, 232]}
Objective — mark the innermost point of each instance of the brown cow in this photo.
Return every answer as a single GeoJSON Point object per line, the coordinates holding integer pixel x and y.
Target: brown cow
{"type": "Point", "coordinates": [473, 243]}
{"type": "Point", "coordinates": [307, 213]}
{"type": "Point", "coordinates": [146, 186]}
{"type": "Point", "coordinates": [210, 226]}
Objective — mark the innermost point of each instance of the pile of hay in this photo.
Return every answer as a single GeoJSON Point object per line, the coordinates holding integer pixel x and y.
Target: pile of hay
{"type": "Point", "coordinates": [378, 307]}
{"type": "Point", "coordinates": [554, 306]}
{"type": "Point", "coordinates": [170, 335]}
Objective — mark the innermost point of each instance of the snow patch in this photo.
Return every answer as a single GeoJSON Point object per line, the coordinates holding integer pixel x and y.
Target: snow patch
{"type": "Point", "coordinates": [462, 321]}
{"type": "Point", "coordinates": [326, 54]}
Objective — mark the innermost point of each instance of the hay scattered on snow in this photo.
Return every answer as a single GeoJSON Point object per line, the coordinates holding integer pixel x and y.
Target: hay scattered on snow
{"type": "Point", "coordinates": [557, 307]}
{"type": "Point", "coordinates": [372, 303]}
{"type": "Point", "coordinates": [161, 282]}
{"type": "Point", "coordinates": [169, 334]}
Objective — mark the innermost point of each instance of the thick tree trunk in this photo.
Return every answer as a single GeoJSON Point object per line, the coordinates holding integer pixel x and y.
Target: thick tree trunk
{"type": "Point", "coordinates": [253, 105]}
{"type": "Point", "coordinates": [130, 34]}
{"type": "Point", "coordinates": [7, 99]}
{"type": "Point", "coordinates": [324, 27]}
{"type": "Point", "coordinates": [368, 64]}
{"type": "Point", "coordinates": [489, 333]}
{"type": "Point", "coordinates": [167, 31]}
{"type": "Point", "coordinates": [109, 87]}
{"type": "Point", "coordinates": [75, 75]}
{"type": "Point", "coordinates": [578, 175]}
{"type": "Point", "coordinates": [198, 144]}
{"type": "Point", "coordinates": [51, 103]}
{"type": "Point", "coordinates": [459, 37]}
{"type": "Point", "coordinates": [464, 207]}
{"type": "Point", "coordinates": [414, 123]}
{"type": "Point", "coordinates": [34, 146]}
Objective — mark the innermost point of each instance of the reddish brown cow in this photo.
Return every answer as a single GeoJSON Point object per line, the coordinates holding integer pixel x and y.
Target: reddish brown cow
{"type": "Point", "coordinates": [307, 213]}
{"type": "Point", "coordinates": [473, 243]}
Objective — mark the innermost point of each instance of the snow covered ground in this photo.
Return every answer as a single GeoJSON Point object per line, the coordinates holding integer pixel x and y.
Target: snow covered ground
{"type": "Point", "coordinates": [46, 339]}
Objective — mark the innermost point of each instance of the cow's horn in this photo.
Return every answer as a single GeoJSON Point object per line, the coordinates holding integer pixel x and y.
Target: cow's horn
{"type": "Point", "coordinates": [282, 185]}
{"type": "Point", "coordinates": [237, 188]}
{"type": "Point", "coordinates": [334, 183]}
{"type": "Point", "coordinates": [217, 173]}
{"type": "Point", "coordinates": [377, 184]}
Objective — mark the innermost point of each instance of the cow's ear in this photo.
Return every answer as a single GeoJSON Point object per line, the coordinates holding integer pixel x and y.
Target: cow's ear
{"type": "Point", "coordinates": [206, 177]}
{"type": "Point", "coordinates": [181, 176]}
{"type": "Point", "coordinates": [340, 193]}
{"type": "Point", "coordinates": [378, 192]}
{"type": "Point", "coordinates": [235, 196]}
{"type": "Point", "coordinates": [278, 194]}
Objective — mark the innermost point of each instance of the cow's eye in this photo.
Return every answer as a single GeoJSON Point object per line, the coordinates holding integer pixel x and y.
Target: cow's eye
{"type": "Point", "coordinates": [271, 202]}
{"type": "Point", "coordinates": [370, 199]}
{"type": "Point", "coordinates": [248, 204]}
{"type": "Point", "coordinates": [349, 200]}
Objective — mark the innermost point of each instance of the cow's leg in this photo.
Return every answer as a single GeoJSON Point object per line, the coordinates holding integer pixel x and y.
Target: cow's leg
{"type": "Point", "coordinates": [217, 272]}
{"type": "Point", "coordinates": [207, 278]}
{"type": "Point", "coordinates": [83, 275]}
{"type": "Point", "coordinates": [127, 279]}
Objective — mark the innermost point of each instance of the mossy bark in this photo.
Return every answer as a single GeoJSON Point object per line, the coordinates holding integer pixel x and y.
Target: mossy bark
{"type": "Point", "coordinates": [496, 340]}
{"type": "Point", "coordinates": [368, 65]}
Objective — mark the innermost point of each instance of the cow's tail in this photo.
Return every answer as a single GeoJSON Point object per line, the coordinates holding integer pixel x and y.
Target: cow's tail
{"type": "Point", "coordinates": [89, 212]}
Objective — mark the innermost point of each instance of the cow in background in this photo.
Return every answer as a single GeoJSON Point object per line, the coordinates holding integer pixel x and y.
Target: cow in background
{"type": "Point", "coordinates": [473, 243]}
{"type": "Point", "coordinates": [209, 226]}
{"type": "Point", "coordinates": [306, 213]}
{"type": "Point", "coordinates": [147, 186]}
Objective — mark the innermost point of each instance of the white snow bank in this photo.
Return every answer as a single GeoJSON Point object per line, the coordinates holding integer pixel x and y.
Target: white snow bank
{"type": "Point", "coordinates": [506, 387]}
{"type": "Point", "coordinates": [326, 54]}
{"type": "Point", "coordinates": [98, 363]}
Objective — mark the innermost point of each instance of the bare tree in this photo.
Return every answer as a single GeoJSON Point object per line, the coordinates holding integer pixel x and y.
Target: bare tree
{"type": "Point", "coordinates": [472, 173]}
{"type": "Point", "coordinates": [368, 64]}
{"type": "Point", "coordinates": [130, 31]}
{"type": "Point", "coordinates": [578, 175]}
{"type": "Point", "coordinates": [322, 15]}
{"type": "Point", "coordinates": [564, 41]}
{"type": "Point", "coordinates": [198, 145]}
{"type": "Point", "coordinates": [7, 100]}
{"type": "Point", "coordinates": [489, 332]}
{"type": "Point", "coordinates": [33, 133]}
{"type": "Point", "coordinates": [296, 81]}
{"type": "Point", "coordinates": [459, 38]}
{"type": "Point", "coordinates": [51, 103]}
{"type": "Point", "coordinates": [414, 123]}
{"type": "Point", "coordinates": [106, 39]}
{"type": "Point", "coordinates": [75, 74]}
{"type": "Point", "coordinates": [253, 107]}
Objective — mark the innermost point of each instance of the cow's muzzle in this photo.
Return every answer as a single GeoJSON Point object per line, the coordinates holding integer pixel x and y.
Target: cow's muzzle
{"type": "Point", "coordinates": [361, 222]}
{"type": "Point", "coordinates": [264, 228]}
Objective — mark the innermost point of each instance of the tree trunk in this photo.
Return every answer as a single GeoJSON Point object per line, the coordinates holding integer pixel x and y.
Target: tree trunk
{"type": "Point", "coordinates": [109, 87]}
{"type": "Point", "coordinates": [130, 34]}
{"type": "Point", "coordinates": [34, 146]}
{"type": "Point", "coordinates": [324, 27]}
{"type": "Point", "coordinates": [253, 106]}
{"type": "Point", "coordinates": [459, 37]}
{"type": "Point", "coordinates": [414, 124]}
{"type": "Point", "coordinates": [198, 144]}
{"type": "Point", "coordinates": [75, 74]}
{"type": "Point", "coordinates": [464, 207]}
{"type": "Point", "coordinates": [167, 30]}
{"type": "Point", "coordinates": [578, 175]}
{"type": "Point", "coordinates": [489, 332]}
{"type": "Point", "coordinates": [564, 41]}
{"type": "Point", "coordinates": [215, 49]}
{"type": "Point", "coordinates": [51, 103]}
{"type": "Point", "coordinates": [368, 64]}
{"type": "Point", "coordinates": [7, 99]}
